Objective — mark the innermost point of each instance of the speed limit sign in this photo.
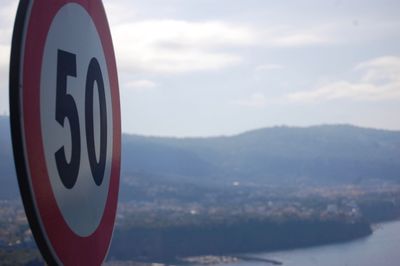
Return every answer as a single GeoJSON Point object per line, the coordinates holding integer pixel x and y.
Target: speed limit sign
{"type": "Point", "coordinates": [66, 129]}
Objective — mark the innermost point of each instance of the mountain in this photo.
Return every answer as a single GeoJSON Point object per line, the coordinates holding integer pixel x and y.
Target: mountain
{"type": "Point", "coordinates": [283, 156]}
{"type": "Point", "coordinates": [8, 179]}
{"type": "Point", "coordinates": [318, 155]}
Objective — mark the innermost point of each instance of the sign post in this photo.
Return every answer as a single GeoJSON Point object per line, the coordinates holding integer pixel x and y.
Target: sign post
{"type": "Point", "coordinates": [66, 128]}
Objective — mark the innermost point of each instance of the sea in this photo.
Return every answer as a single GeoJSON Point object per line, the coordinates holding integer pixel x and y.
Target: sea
{"type": "Point", "coordinates": [382, 248]}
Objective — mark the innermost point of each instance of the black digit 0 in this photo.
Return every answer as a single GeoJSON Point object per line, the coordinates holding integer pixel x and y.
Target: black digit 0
{"type": "Point", "coordinates": [94, 75]}
{"type": "Point", "coordinates": [66, 109]}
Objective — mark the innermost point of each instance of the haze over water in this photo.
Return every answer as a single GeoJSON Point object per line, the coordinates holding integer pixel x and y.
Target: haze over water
{"type": "Point", "coordinates": [381, 248]}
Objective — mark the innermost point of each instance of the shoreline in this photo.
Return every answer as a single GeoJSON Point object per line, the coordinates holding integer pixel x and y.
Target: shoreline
{"type": "Point", "coordinates": [220, 260]}
{"type": "Point", "coordinates": [286, 257]}
{"type": "Point", "coordinates": [252, 257]}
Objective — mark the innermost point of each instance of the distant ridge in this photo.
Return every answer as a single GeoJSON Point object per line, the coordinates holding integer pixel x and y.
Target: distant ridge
{"type": "Point", "coordinates": [322, 155]}
{"type": "Point", "coordinates": [8, 179]}
{"type": "Point", "coordinates": [326, 126]}
{"type": "Point", "coordinates": [289, 156]}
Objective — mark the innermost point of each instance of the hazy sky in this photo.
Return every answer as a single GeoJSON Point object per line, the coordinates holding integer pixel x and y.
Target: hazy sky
{"type": "Point", "coordinates": [207, 67]}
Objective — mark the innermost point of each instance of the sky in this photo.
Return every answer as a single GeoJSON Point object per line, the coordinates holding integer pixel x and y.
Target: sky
{"type": "Point", "coordinates": [207, 68]}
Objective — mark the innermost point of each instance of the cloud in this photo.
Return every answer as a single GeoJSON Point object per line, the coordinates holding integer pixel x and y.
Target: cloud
{"type": "Point", "coordinates": [296, 39]}
{"type": "Point", "coordinates": [338, 32]}
{"type": "Point", "coordinates": [179, 46]}
{"type": "Point", "coordinates": [256, 100]}
{"type": "Point", "coordinates": [139, 85]}
{"type": "Point", "coordinates": [381, 70]}
{"type": "Point", "coordinates": [379, 80]}
{"type": "Point", "coordinates": [4, 57]}
{"type": "Point", "coordinates": [7, 14]}
{"type": "Point", "coordinates": [366, 29]}
{"type": "Point", "coordinates": [4, 62]}
{"type": "Point", "coordinates": [175, 46]}
{"type": "Point", "coordinates": [268, 67]}
{"type": "Point", "coordinates": [117, 11]}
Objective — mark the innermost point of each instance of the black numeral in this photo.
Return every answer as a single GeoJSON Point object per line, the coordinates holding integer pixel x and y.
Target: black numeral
{"type": "Point", "coordinates": [66, 109]}
{"type": "Point", "coordinates": [94, 75]}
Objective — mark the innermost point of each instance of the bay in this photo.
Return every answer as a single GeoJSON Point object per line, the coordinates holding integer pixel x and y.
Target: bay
{"type": "Point", "coordinates": [381, 248]}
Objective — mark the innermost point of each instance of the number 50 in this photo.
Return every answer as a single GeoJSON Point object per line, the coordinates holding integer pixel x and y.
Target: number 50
{"type": "Point", "coordinates": [66, 109]}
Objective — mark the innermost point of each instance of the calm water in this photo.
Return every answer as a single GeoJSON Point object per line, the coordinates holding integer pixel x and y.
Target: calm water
{"type": "Point", "coordinates": [382, 248]}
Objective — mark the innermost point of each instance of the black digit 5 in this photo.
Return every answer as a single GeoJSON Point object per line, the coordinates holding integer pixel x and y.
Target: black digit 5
{"type": "Point", "coordinates": [66, 109]}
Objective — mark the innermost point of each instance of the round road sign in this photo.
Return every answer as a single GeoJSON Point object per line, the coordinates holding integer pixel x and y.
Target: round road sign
{"type": "Point", "coordinates": [65, 122]}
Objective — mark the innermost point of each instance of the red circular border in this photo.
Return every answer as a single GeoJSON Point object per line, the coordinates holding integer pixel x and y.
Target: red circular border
{"type": "Point", "coordinates": [68, 247]}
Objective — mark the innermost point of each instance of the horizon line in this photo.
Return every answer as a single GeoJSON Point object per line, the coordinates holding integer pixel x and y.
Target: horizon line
{"type": "Point", "coordinates": [325, 124]}
{"type": "Point", "coordinates": [262, 128]}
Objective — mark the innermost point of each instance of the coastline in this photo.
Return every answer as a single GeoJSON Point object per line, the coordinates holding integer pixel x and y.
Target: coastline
{"type": "Point", "coordinates": [269, 260]}
{"type": "Point", "coordinates": [380, 225]}
{"type": "Point", "coordinates": [168, 244]}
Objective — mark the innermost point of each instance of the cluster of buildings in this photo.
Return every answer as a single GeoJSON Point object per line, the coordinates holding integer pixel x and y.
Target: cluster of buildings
{"type": "Point", "coordinates": [14, 229]}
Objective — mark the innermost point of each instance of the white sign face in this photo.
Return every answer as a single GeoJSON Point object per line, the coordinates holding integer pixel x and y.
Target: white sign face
{"type": "Point", "coordinates": [72, 52]}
